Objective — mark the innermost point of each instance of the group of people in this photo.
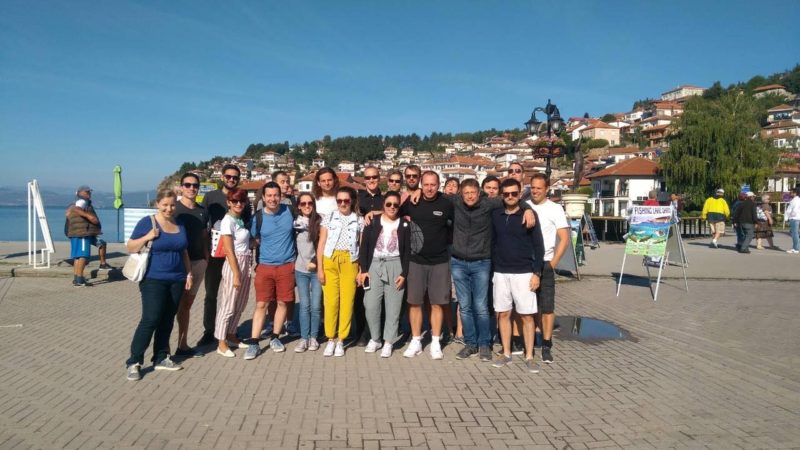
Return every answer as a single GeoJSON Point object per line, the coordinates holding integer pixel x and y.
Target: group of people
{"type": "Point", "coordinates": [751, 219]}
{"type": "Point", "coordinates": [359, 258]}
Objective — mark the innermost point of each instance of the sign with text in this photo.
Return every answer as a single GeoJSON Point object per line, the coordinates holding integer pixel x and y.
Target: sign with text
{"type": "Point", "coordinates": [649, 230]}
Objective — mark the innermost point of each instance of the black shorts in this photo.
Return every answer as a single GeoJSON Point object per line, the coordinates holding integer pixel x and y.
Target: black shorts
{"type": "Point", "coordinates": [546, 294]}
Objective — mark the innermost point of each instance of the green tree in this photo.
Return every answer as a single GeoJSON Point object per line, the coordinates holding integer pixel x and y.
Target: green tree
{"type": "Point", "coordinates": [714, 92]}
{"type": "Point", "coordinates": [609, 118]}
{"type": "Point", "coordinates": [717, 143]}
{"type": "Point", "coordinates": [595, 143]}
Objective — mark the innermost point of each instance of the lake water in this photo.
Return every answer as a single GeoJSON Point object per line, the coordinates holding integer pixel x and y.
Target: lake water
{"type": "Point", "coordinates": [14, 223]}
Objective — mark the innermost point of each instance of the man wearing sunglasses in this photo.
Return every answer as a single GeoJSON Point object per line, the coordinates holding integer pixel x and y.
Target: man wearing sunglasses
{"type": "Point", "coordinates": [395, 180]}
{"type": "Point", "coordinates": [517, 172]}
{"type": "Point", "coordinates": [371, 198]}
{"type": "Point", "coordinates": [194, 218]}
{"type": "Point", "coordinates": [216, 205]}
{"type": "Point", "coordinates": [412, 177]}
{"type": "Point", "coordinates": [518, 256]}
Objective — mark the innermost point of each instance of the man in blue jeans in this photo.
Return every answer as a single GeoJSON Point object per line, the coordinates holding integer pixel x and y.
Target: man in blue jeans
{"type": "Point", "coordinates": [471, 264]}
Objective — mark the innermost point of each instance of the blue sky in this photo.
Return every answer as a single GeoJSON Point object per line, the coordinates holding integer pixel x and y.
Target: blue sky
{"type": "Point", "coordinates": [148, 85]}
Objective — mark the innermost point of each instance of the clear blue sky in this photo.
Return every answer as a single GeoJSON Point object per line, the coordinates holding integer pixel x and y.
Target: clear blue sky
{"type": "Point", "coordinates": [148, 85]}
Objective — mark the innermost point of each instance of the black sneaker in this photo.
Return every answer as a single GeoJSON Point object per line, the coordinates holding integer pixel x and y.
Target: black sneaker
{"type": "Point", "coordinates": [516, 347]}
{"type": "Point", "coordinates": [188, 353]}
{"type": "Point", "coordinates": [105, 266]}
{"type": "Point", "coordinates": [485, 353]}
{"type": "Point", "coordinates": [547, 358]}
{"type": "Point", "coordinates": [80, 282]}
{"type": "Point", "coordinates": [466, 352]}
{"type": "Point", "coordinates": [207, 340]}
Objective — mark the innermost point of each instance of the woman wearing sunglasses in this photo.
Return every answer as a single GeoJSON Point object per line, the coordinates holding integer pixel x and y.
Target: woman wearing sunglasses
{"type": "Point", "coordinates": [235, 286]}
{"type": "Point", "coordinates": [307, 228]}
{"type": "Point", "coordinates": [337, 268]}
{"type": "Point", "coordinates": [383, 257]}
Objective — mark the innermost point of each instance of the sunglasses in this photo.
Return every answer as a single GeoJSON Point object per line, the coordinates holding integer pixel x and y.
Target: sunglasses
{"type": "Point", "coordinates": [514, 194]}
{"type": "Point", "coordinates": [343, 201]}
{"type": "Point", "coordinates": [391, 205]}
{"type": "Point", "coordinates": [306, 203]}
{"type": "Point", "coordinates": [371, 177]}
{"type": "Point", "coordinates": [232, 177]}
{"type": "Point", "coordinates": [515, 170]}
{"type": "Point", "coordinates": [395, 180]}
{"type": "Point", "coordinates": [191, 185]}
{"type": "Point", "coordinates": [411, 176]}
{"type": "Point", "coordinates": [238, 202]}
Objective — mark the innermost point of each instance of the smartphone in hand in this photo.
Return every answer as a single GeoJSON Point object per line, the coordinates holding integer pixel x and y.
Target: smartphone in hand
{"type": "Point", "coordinates": [366, 284]}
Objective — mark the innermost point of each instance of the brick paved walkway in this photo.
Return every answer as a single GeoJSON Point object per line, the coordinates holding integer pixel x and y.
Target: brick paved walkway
{"type": "Point", "coordinates": [715, 368]}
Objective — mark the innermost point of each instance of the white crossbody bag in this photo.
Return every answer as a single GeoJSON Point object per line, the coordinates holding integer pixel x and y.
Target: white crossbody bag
{"type": "Point", "coordinates": [136, 265]}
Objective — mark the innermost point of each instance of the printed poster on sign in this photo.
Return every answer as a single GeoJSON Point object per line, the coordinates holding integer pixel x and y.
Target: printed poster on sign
{"type": "Point", "coordinates": [649, 230]}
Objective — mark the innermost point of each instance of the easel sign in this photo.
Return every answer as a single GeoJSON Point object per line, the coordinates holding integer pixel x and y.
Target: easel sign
{"type": "Point", "coordinates": [648, 235]}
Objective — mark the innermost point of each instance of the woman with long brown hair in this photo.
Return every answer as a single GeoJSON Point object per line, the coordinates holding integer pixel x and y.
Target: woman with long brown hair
{"type": "Point", "coordinates": [326, 183]}
{"type": "Point", "coordinates": [309, 300]}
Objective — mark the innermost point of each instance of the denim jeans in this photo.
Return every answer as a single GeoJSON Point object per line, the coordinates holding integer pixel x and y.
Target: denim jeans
{"type": "Point", "coordinates": [160, 300]}
{"type": "Point", "coordinates": [793, 231]}
{"type": "Point", "coordinates": [472, 290]}
{"type": "Point", "coordinates": [309, 303]}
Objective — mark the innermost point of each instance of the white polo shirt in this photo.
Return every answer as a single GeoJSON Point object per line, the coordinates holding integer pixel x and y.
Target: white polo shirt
{"type": "Point", "coordinates": [551, 218]}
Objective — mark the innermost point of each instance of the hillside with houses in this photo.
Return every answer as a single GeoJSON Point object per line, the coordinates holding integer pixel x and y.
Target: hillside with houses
{"type": "Point", "coordinates": [622, 153]}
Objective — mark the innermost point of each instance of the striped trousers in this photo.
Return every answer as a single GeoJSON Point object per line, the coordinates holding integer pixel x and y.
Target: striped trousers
{"type": "Point", "coordinates": [231, 301]}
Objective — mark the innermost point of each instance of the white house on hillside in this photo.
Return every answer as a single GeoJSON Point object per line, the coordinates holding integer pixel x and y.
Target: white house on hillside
{"type": "Point", "coordinates": [624, 183]}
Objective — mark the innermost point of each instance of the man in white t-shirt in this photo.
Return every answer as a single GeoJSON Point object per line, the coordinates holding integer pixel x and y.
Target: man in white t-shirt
{"type": "Point", "coordinates": [553, 222]}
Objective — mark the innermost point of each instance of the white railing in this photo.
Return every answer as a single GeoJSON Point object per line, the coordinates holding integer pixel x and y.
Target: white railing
{"type": "Point", "coordinates": [36, 215]}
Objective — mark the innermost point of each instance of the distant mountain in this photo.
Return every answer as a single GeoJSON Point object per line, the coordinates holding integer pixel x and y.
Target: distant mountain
{"type": "Point", "coordinates": [15, 196]}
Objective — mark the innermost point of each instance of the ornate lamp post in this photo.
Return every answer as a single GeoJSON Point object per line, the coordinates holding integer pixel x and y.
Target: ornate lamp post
{"type": "Point", "coordinates": [552, 125]}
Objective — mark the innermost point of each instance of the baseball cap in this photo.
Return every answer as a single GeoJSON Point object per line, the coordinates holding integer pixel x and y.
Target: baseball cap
{"type": "Point", "coordinates": [82, 188]}
{"type": "Point", "coordinates": [750, 194]}
{"type": "Point", "coordinates": [720, 191]}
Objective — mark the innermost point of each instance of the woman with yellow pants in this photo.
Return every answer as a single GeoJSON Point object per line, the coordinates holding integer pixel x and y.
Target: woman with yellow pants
{"type": "Point", "coordinates": [337, 267]}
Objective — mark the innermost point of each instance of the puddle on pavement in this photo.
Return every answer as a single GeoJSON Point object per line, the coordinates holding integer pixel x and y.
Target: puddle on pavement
{"type": "Point", "coordinates": [586, 329]}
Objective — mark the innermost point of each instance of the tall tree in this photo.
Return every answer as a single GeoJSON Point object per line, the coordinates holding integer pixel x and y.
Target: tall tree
{"type": "Point", "coordinates": [717, 143]}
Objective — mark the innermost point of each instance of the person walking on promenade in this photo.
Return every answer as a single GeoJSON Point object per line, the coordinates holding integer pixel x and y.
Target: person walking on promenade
{"type": "Point", "coordinates": [518, 255]}
{"type": "Point", "coordinates": [337, 268]}
{"type": "Point", "coordinates": [216, 205]}
{"type": "Point", "coordinates": [745, 216]}
{"type": "Point", "coordinates": [168, 274]}
{"type": "Point", "coordinates": [309, 291]}
{"type": "Point", "coordinates": [194, 219]}
{"type": "Point", "coordinates": [235, 287]}
{"type": "Point", "coordinates": [325, 186]}
{"type": "Point", "coordinates": [412, 176]}
{"type": "Point", "coordinates": [273, 229]}
{"type": "Point", "coordinates": [651, 199]}
{"type": "Point", "coordinates": [555, 236]}
{"type": "Point", "coordinates": [383, 259]}
{"type": "Point", "coordinates": [83, 228]}
{"type": "Point", "coordinates": [429, 269]}
{"type": "Point", "coordinates": [764, 223]}
{"type": "Point", "coordinates": [716, 212]}
{"type": "Point", "coordinates": [792, 214]}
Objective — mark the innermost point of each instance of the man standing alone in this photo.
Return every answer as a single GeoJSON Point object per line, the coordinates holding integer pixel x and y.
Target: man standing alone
{"type": "Point", "coordinates": [716, 211]}
{"type": "Point", "coordinates": [82, 228]}
{"type": "Point", "coordinates": [553, 222]}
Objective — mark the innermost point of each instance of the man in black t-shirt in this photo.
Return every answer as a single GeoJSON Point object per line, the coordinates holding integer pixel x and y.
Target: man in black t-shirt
{"type": "Point", "coordinates": [429, 269]}
{"type": "Point", "coordinates": [215, 203]}
{"type": "Point", "coordinates": [194, 219]}
{"type": "Point", "coordinates": [371, 198]}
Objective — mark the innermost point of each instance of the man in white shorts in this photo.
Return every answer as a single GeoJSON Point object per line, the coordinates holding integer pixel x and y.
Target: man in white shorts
{"type": "Point", "coordinates": [518, 257]}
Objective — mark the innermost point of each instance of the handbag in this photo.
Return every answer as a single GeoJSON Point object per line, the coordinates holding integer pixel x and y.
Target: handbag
{"type": "Point", "coordinates": [136, 265]}
{"type": "Point", "coordinates": [217, 249]}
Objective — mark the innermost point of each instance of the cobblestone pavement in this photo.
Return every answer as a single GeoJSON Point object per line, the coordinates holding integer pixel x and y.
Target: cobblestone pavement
{"type": "Point", "coordinates": [718, 367]}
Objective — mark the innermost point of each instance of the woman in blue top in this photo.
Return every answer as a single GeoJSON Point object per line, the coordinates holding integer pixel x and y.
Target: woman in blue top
{"type": "Point", "coordinates": [168, 274]}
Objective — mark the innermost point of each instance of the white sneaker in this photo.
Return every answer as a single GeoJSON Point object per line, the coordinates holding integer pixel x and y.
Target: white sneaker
{"type": "Point", "coordinates": [414, 348]}
{"type": "Point", "coordinates": [792, 251]}
{"type": "Point", "coordinates": [387, 350]}
{"type": "Point", "coordinates": [339, 349]}
{"type": "Point", "coordinates": [436, 350]}
{"type": "Point", "coordinates": [372, 346]}
{"type": "Point", "coordinates": [329, 348]}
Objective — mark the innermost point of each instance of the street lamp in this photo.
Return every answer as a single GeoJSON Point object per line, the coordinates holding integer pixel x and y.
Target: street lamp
{"type": "Point", "coordinates": [553, 125]}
